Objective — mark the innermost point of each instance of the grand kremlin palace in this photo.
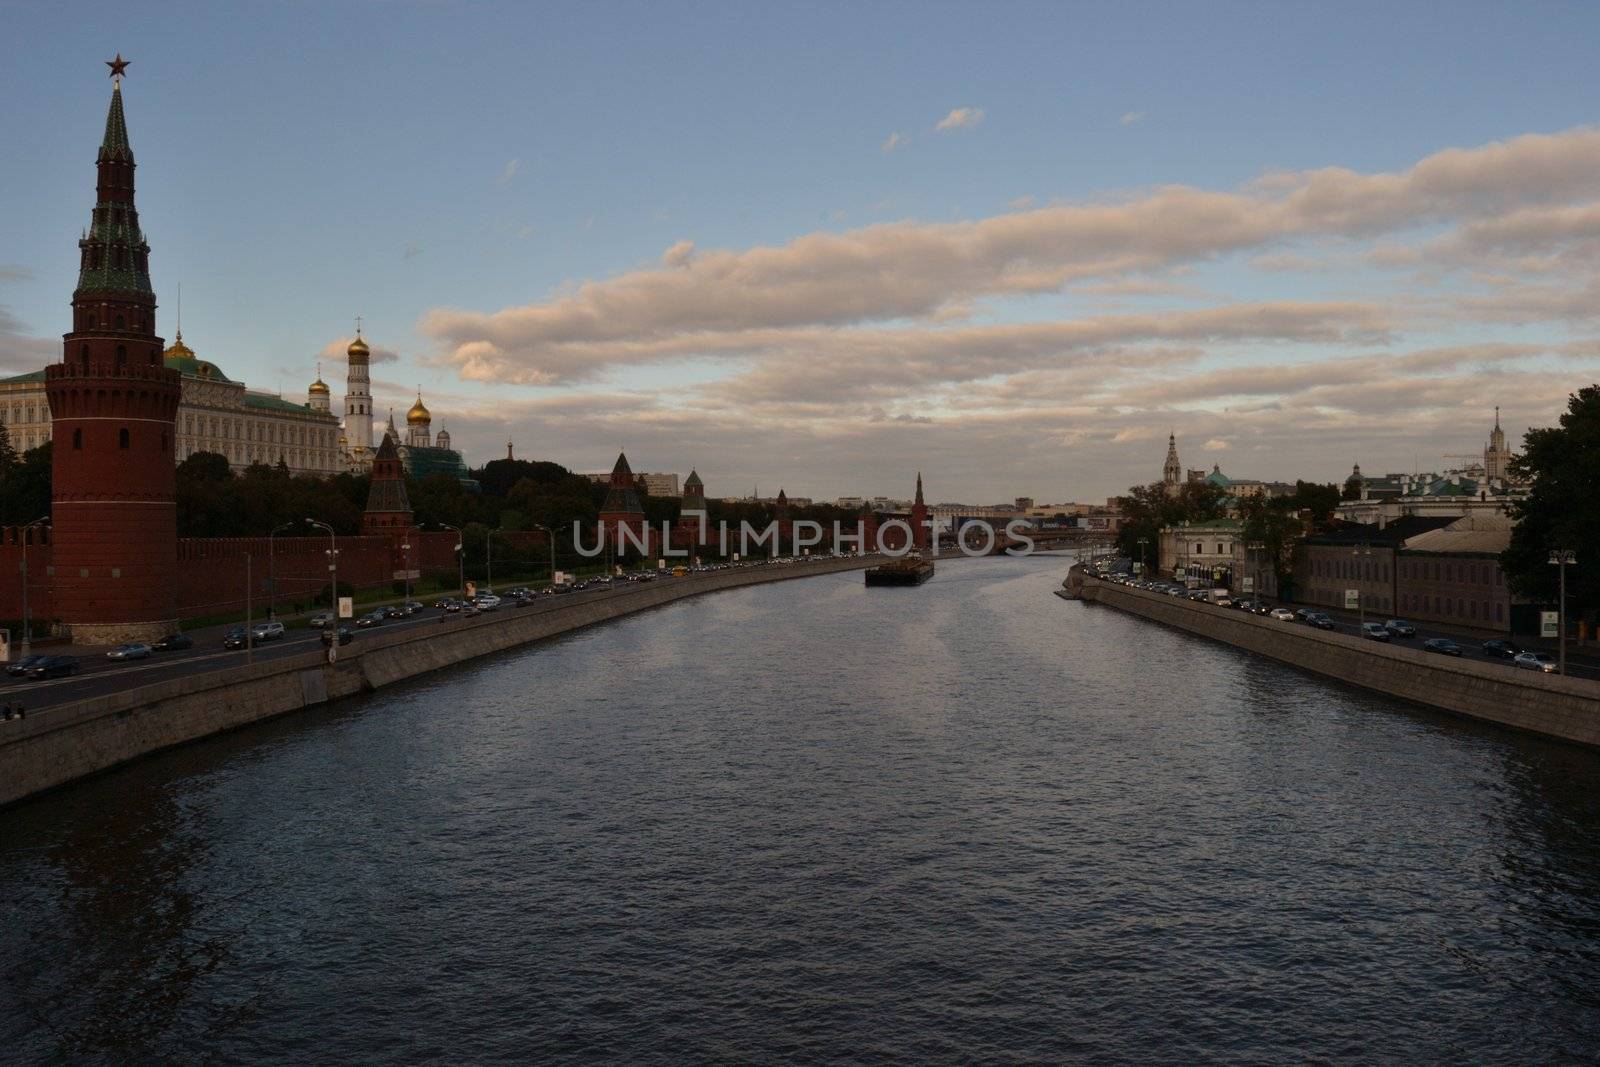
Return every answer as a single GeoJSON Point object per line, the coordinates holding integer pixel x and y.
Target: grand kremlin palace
{"type": "Point", "coordinates": [215, 414]}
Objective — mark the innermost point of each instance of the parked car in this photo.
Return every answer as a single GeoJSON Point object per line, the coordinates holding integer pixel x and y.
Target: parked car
{"type": "Point", "coordinates": [1537, 661]}
{"type": "Point", "coordinates": [343, 635]}
{"type": "Point", "coordinates": [20, 668]}
{"type": "Point", "coordinates": [1282, 614]}
{"type": "Point", "coordinates": [374, 617]}
{"type": "Point", "coordinates": [53, 667]}
{"type": "Point", "coordinates": [1319, 620]}
{"type": "Point", "coordinates": [1375, 631]}
{"type": "Point", "coordinates": [1400, 628]}
{"type": "Point", "coordinates": [131, 650]}
{"type": "Point", "coordinates": [1499, 649]}
{"type": "Point", "coordinates": [267, 631]}
{"type": "Point", "coordinates": [321, 618]}
{"type": "Point", "coordinates": [174, 643]}
{"type": "Point", "coordinates": [234, 638]}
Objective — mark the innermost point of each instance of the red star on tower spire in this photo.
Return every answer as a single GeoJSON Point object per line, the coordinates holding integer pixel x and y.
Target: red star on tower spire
{"type": "Point", "coordinates": [118, 65]}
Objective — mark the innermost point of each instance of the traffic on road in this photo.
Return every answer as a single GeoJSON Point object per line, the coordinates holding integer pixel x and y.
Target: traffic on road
{"type": "Point", "coordinates": [1435, 640]}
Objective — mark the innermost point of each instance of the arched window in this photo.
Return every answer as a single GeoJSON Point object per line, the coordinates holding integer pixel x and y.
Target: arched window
{"type": "Point", "coordinates": [83, 356]}
{"type": "Point", "coordinates": [163, 441]}
{"type": "Point", "coordinates": [122, 356]}
{"type": "Point", "coordinates": [77, 440]}
{"type": "Point", "coordinates": [119, 322]}
{"type": "Point", "coordinates": [122, 437]}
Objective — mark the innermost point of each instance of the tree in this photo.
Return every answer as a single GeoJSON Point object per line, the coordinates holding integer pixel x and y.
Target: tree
{"type": "Point", "coordinates": [1273, 525]}
{"type": "Point", "coordinates": [8, 453]}
{"type": "Point", "coordinates": [1148, 508]}
{"type": "Point", "coordinates": [1562, 509]}
{"type": "Point", "coordinates": [1319, 499]}
{"type": "Point", "coordinates": [25, 489]}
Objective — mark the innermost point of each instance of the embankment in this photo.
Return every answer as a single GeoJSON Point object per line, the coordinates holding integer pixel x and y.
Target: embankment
{"type": "Point", "coordinates": [1563, 708]}
{"type": "Point", "coordinates": [62, 744]}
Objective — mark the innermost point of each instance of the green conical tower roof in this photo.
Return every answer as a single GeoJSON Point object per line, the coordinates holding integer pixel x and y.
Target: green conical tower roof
{"type": "Point", "coordinates": [116, 138]}
{"type": "Point", "coordinates": [115, 257]}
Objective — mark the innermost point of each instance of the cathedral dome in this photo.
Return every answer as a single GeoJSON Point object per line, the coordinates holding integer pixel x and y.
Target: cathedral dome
{"type": "Point", "coordinates": [358, 347]}
{"type": "Point", "coordinates": [319, 387]}
{"type": "Point", "coordinates": [418, 415]}
{"type": "Point", "coordinates": [178, 350]}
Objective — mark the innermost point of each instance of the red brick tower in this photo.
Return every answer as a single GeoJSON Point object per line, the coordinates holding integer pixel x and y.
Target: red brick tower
{"type": "Point", "coordinates": [622, 506]}
{"type": "Point", "coordinates": [388, 506]}
{"type": "Point", "coordinates": [919, 520]}
{"type": "Point", "coordinates": [113, 408]}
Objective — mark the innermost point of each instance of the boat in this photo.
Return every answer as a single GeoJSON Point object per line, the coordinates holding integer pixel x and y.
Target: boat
{"type": "Point", "coordinates": [907, 570]}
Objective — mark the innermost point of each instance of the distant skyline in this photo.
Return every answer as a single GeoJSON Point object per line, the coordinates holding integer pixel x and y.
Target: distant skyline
{"type": "Point", "coordinates": [824, 246]}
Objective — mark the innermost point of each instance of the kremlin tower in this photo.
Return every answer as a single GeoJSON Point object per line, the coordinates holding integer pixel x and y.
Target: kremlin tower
{"type": "Point", "coordinates": [919, 520]}
{"type": "Point", "coordinates": [113, 410]}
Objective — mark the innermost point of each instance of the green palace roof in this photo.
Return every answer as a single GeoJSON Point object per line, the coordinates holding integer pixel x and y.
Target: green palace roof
{"type": "Point", "coordinates": [31, 376]}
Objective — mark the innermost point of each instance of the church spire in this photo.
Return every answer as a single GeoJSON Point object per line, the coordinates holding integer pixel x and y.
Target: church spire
{"type": "Point", "coordinates": [919, 487]}
{"type": "Point", "coordinates": [113, 256]}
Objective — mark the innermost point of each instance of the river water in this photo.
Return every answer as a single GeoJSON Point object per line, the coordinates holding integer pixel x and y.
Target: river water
{"type": "Point", "coordinates": [816, 822]}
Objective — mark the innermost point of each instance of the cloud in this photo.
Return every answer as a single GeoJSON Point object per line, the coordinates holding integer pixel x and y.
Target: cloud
{"type": "Point", "coordinates": [1019, 203]}
{"type": "Point", "coordinates": [335, 351]}
{"type": "Point", "coordinates": [412, 250]}
{"type": "Point", "coordinates": [946, 336]}
{"type": "Point", "coordinates": [893, 142]}
{"type": "Point", "coordinates": [507, 172]}
{"type": "Point", "coordinates": [1131, 117]}
{"type": "Point", "coordinates": [961, 118]}
{"type": "Point", "coordinates": [1217, 444]}
{"type": "Point", "coordinates": [14, 274]}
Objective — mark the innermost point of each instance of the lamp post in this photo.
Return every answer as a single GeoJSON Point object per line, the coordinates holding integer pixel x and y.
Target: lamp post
{"type": "Point", "coordinates": [27, 619]}
{"type": "Point", "coordinates": [551, 536]}
{"type": "Point", "coordinates": [333, 577]}
{"type": "Point", "coordinates": [488, 559]}
{"type": "Point", "coordinates": [272, 569]}
{"type": "Point", "coordinates": [1561, 559]}
{"type": "Point", "coordinates": [1144, 567]}
{"type": "Point", "coordinates": [405, 546]}
{"type": "Point", "coordinates": [461, 556]}
{"type": "Point", "coordinates": [1360, 552]}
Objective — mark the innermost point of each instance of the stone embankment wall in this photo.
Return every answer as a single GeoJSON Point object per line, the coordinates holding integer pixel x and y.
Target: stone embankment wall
{"type": "Point", "coordinates": [1563, 708]}
{"type": "Point", "coordinates": [61, 744]}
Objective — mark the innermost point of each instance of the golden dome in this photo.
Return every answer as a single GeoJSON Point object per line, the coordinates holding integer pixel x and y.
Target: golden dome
{"type": "Point", "coordinates": [178, 350]}
{"type": "Point", "coordinates": [319, 387]}
{"type": "Point", "coordinates": [418, 413]}
{"type": "Point", "coordinates": [358, 347]}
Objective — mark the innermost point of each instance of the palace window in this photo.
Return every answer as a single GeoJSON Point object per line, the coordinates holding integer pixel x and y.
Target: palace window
{"type": "Point", "coordinates": [122, 437]}
{"type": "Point", "coordinates": [77, 440]}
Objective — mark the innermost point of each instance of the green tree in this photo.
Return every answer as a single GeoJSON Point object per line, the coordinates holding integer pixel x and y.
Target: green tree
{"type": "Point", "coordinates": [1273, 527]}
{"type": "Point", "coordinates": [1562, 509]}
{"type": "Point", "coordinates": [1318, 498]}
{"type": "Point", "coordinates": [8, 453]}
{"type": "Point", "coordinates": [1148, 508]}
{"type": "Point", "coordinates": [25, 490]}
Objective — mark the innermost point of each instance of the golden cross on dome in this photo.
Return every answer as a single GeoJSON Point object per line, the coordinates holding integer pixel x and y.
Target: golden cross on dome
{"type": "Point", "coordinates": [118, 65]}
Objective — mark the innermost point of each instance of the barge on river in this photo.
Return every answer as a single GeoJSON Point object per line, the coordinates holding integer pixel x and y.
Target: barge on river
{"type": "Point", "coordinates": [907, 570]}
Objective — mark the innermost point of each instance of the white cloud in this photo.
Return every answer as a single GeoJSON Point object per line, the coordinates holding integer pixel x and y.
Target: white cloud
{"type": "Point", "coordinates": [893, 142]}
{"type": "Point", "coordinates": [961, 118]}
{"type": "Point", "coordinates": [1131, 117]}
{"type": "Point", "coordinates": [508, 172]}
{"type": "Point", "coordinates": [1020, 203]}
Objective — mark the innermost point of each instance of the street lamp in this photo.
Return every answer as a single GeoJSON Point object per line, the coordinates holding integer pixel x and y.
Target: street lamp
{"type": "Point", "coordinates": [333, 576]}
{"type": "Point", "coordinates": [405, 547]}
{"type": "Point", "coordinates": [461, 556]}
{"type": "Point", "coordinates": [1144, 567]}
{"type": "Point", "coordinates": [1562, 559]}
{"type": "Point", "coordinates": [1360, 552]}
{"type": "Point", "coordinates": [488, 559]}
{"type": "Point", "coordinates": [551, 535]}
{"type": "Point", "coordinates": [27, 619]}
{"type": "Point", "coordinates": [272, 569]}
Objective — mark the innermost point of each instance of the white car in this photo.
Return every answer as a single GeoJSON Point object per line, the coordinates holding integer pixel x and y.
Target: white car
{"type": "Point", "coordinates": [1537, 661]}
{"type": "Point", "coordinates": [488, 602]}
{"type": "Point", "coordinates": [132, 650]}
{"type": "Point", "coordinates": [267, 631]}
{"type": "Point", "coordinates": [1281, 614]}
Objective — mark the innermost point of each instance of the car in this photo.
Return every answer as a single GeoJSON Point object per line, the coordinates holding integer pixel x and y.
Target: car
{"type": "Point", "coordinates": [53, 667]}
{"type": "Point", "coordinates": [392, 611]}
{"type": "Point", "coordinates": [1442, 645]}
{"type": "Point", "coordinates": [1375, 631]}
{"type": "Point", "coordinates": [20, 668]}
{"type": "Point", "coordinates": [1282, 614]}
{"type": "Point", "coordinates": [235, 638]}
{"type": "Point", "coordinates": [1304, 614]}
{"type": "Point", "coordinates": [267, 631]}
{"type": "Point", "coordinates": [488, 602]}
{"type": "Point", "coordinates": [470, 611]}
{"type": "Point", "coordinates": [130, 650]}
{"type": "Point", "coordinates": [372, 618]}
{"type": "Point", "coordinates": [1537, 661]}
{"type": "Point", "coordinates": [343, 635]}
{"type": "Point", "coordinates": [1400, 628]}
{"type": "Point", "coordinates": [321, 618]}
{"type": "Point", "coordinates": [1319, 620]}
{"type": "Point", "coordinates": [449, 605]}
{"type": "Point", "coordinates": [173, 643]}
{"type": "Point", "coordinates": [561, 588]}
{"type": "Point", "coordinates": [412, 606]}
{"type": "Point", "coordinates": [1499, 649]}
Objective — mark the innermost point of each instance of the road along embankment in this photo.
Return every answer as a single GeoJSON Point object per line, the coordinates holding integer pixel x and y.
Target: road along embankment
{"type": "Point", "coordinates": [1564, 708]}
{"type": "Point", "coordinates": [71, 741]}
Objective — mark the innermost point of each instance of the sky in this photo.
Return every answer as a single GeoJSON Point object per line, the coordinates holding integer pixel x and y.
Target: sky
{"type": "Point", "coordinates": [824, 246]}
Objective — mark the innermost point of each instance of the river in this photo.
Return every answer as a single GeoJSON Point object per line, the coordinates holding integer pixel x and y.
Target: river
{"type": "Point", "coordinates": [809, 822]}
